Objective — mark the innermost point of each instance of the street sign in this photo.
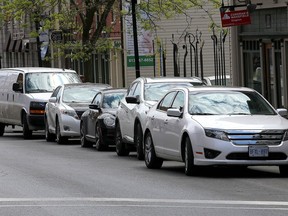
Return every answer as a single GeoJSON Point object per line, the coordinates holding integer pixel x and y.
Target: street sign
{"type": "Point", "coordinates": [56, 36]}
{"type": "Point", "coordinates": [235, 18]}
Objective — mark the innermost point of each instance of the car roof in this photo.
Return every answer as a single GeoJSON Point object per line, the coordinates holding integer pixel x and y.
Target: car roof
{"type": "Point", "coordinates": [217, 88]}
{"type": "Point", "coordinates": [38, 69]}
{"type": "Point", "coordinates": [111, 90]}
{"type": "Point", "coordinates": [87, 84]}
{"type": "Point", "coordinates": [170, 79]}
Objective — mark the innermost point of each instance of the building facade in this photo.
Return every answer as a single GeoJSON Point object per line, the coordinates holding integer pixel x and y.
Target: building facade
{"type": "Point", "coordinates": [18, 49]}
{"type": "Point", "coordinates": [185, 45]}
{"type": "Point", "coordinates": [260, 51]}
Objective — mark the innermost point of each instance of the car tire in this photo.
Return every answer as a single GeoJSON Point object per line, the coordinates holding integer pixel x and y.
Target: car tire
{"type": "Point", "coordinates": [151, 160]}
{"type": "Point", "coordinates": [190, 168]}
{"type": "Point", "coordinates": [27, 133]}
{"type": "Point", "coordinates": [84, 142]}
{"type": "Point", "coordinates": [59, 138]}
{"type": "Point", "coordinates": [2, 129]}
{"type": "Point", "coordinates": [48, 136]}
{"type": "Point", "coordinates": [100, 145]}
{"type": "Point", "coordinates": [138, 141]}
{"type": "Point", "coordinates": [121, 149]}
{"type": "Point", "coordinates": [283, 170]}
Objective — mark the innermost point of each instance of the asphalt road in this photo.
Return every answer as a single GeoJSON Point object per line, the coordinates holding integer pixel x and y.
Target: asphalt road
{"type": "Point", "coordinates": [39, 178]}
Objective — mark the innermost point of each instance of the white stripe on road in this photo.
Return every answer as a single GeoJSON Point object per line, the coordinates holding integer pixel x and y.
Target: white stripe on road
{"type": "Point", "coordinates": [139, 200]}
{"type": "Point", "coordinates": [150, 206]}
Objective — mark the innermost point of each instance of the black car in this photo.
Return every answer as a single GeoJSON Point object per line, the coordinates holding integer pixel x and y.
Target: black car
{"type": "Point", "coordinates": [97, 124]}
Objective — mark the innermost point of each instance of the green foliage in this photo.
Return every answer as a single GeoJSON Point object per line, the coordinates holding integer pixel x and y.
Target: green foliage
{"type": "Point", "coordinates": [77, 20]}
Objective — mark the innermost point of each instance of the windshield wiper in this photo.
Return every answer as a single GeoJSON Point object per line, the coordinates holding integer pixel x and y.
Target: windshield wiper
{"type": "Point", "coordinates": [38, 90]}
{"type": "Point", "coordinates": [203, 114]}
{"type": "Point", "coordinates": [238, 113]}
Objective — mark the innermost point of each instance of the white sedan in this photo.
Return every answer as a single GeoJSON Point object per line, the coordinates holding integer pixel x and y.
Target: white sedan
{"type": "Point", "coordinates": [209, 126]}
{"type": "Point", "coordinates": [65, 107]}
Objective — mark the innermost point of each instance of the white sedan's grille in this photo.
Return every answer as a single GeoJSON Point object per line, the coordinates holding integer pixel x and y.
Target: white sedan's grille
{"type": "Point", "coordinates": [257, 137]}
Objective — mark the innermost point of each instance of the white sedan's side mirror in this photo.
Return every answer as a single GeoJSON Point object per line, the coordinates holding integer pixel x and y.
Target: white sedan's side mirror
{"type": "Point", "coordinates": [52, 99]}
{"type": "Point", "coordinates": [174, 112]}
{"type": "Point", "coordinates": [282, 112]}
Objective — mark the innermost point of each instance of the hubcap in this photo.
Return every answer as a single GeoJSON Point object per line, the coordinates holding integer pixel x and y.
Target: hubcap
{"type": "Point", "coordinates": [148, 148]}
{"type": "Point", "coordinates": [186, 157]}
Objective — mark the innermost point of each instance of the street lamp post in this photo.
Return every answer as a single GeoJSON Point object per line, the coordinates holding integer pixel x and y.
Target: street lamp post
{"type": "Point", "coordinates": [135, 37]}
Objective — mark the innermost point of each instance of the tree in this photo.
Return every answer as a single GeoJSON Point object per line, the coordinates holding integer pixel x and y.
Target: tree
{"type": "Point", "coordinates": [76, 19]}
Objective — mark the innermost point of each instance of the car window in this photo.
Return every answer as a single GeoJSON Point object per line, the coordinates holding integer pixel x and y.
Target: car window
{"type": "Point", "coordinates": [20, 81]}
{"type": "Point", "coordinates": [228, 103]}
{"type": "Point", "coordinates": [48, 81]}
{"type": "Point", "coordinates": [58, 94]}
{"type": "Point", "coordinates": [112, 100]}
{"type": "Point", "coordinates": [132, 89]}
{"type": "Point", "coordinates": [137, 91]}
{"type": "Point", "coordinates": [178, 102]}
{"type": "Point", "coordinates": [55, 92]}
{"type": "Point", "coordinates": [97, 99]}
{"type": "Point", "coordinates": [80, 93]}
{"type": "Point", "coordinates": [167, 101]}
{"type": "Point", "coordinates": [155, 91]}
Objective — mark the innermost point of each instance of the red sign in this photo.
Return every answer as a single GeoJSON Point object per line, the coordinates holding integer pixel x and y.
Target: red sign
{"type": "Point", "coordinates": [235, 18]}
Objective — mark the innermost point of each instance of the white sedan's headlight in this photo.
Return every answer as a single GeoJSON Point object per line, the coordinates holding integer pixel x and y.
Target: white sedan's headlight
{"type": "Point", "coordinates": [71, 113]}
{"type": "Point", "coordinates": [109, 121]}
{"type": "Point", "coordinates": [217, 134]}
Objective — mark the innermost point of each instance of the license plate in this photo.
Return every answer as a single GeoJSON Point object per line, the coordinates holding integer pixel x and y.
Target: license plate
{"type": "Point", "coordinates": [258, 151]}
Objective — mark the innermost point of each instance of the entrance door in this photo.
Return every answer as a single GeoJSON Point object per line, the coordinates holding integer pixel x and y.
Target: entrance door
{"type": "Point", "coordinates": [272, 76]}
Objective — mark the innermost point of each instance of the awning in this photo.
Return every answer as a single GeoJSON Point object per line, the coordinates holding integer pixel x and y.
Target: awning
{"type": "Point", "coordinates": [12, 46]}
{"type": "Point", "coordinates": [18, 46]}
{"type": "Point", "coordinates": [7, 44]}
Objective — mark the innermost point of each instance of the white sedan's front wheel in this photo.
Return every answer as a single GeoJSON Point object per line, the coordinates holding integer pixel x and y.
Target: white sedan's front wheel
{"type": "Point", "coordinates": [190, 168]}
{"type": "Point", "coordinates": [151, 160]}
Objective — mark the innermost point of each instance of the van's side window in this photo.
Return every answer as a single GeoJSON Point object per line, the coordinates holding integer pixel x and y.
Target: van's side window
{"type": "Point", "coordinates": [20, 81]}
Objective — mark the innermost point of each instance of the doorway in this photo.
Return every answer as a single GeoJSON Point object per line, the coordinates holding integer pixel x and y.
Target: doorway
{"type": "Point", "coordinates": [272, 73]}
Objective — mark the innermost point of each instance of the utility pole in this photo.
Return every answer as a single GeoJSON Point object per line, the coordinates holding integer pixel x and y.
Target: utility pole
{"type": "Point", "coordinates": [38, 43]}
{"type": "Point", "coordinates": [135, 37]}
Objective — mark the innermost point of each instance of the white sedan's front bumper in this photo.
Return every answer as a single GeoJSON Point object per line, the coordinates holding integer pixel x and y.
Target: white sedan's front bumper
{"type": "Point", "coordinates": [70, 127]}
{"type": "Point", "coordinates": [229, 152]}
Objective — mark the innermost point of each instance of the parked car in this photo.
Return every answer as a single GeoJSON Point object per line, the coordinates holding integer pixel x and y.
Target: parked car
{"type": "Point", "coordinates": [65, 107]}
{"type": "Point", "coordinates": [218, 80]}
{"type": "Point", "coordinates": [141, 95]}
{"type": "Point", "coordinates": [216, 126]}
{"type": "Point", "coordinates": [24, 93]}
{"type": "Point", "coordinates": [97, 124]}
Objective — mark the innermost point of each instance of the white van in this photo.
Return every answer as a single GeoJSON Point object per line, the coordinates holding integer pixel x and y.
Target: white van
{"type": "Point", "coordinates": [24, 93]}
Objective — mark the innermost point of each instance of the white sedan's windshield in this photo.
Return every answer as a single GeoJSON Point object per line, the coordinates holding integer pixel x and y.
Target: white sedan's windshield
{"type": "Point", "coordinates": [228, 103]}
{"type": "Point", "coordinates": [80, 94]}
{"type": "Point", "coordinates": [155, 91]}
{"type": "Point", "coordinates": [47, 82]}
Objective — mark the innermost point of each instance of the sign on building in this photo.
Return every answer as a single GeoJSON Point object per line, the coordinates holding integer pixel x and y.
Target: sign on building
{"type": "Point", "coordinates": [235, 18]}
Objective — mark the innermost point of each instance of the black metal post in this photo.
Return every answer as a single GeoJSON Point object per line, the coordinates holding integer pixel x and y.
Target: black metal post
{"type": "Point", "coordinates": [38, 43]}
{"type": "Point", "coordinates": [194, 49]}
{"type": "Point", "coordinates": [185, 56]}
{"type": "Point", "coordinates": [135, 37]}
{"type": "Point", "coordinates": [175, 59]}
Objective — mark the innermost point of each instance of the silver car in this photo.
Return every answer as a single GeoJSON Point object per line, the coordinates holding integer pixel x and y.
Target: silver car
{"type": "Point", "coordinates": [65, 107]}
{"type": "Point", "coordinates": [216, 126]}
{"type": "Point", "coordinates": [141, 95]}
